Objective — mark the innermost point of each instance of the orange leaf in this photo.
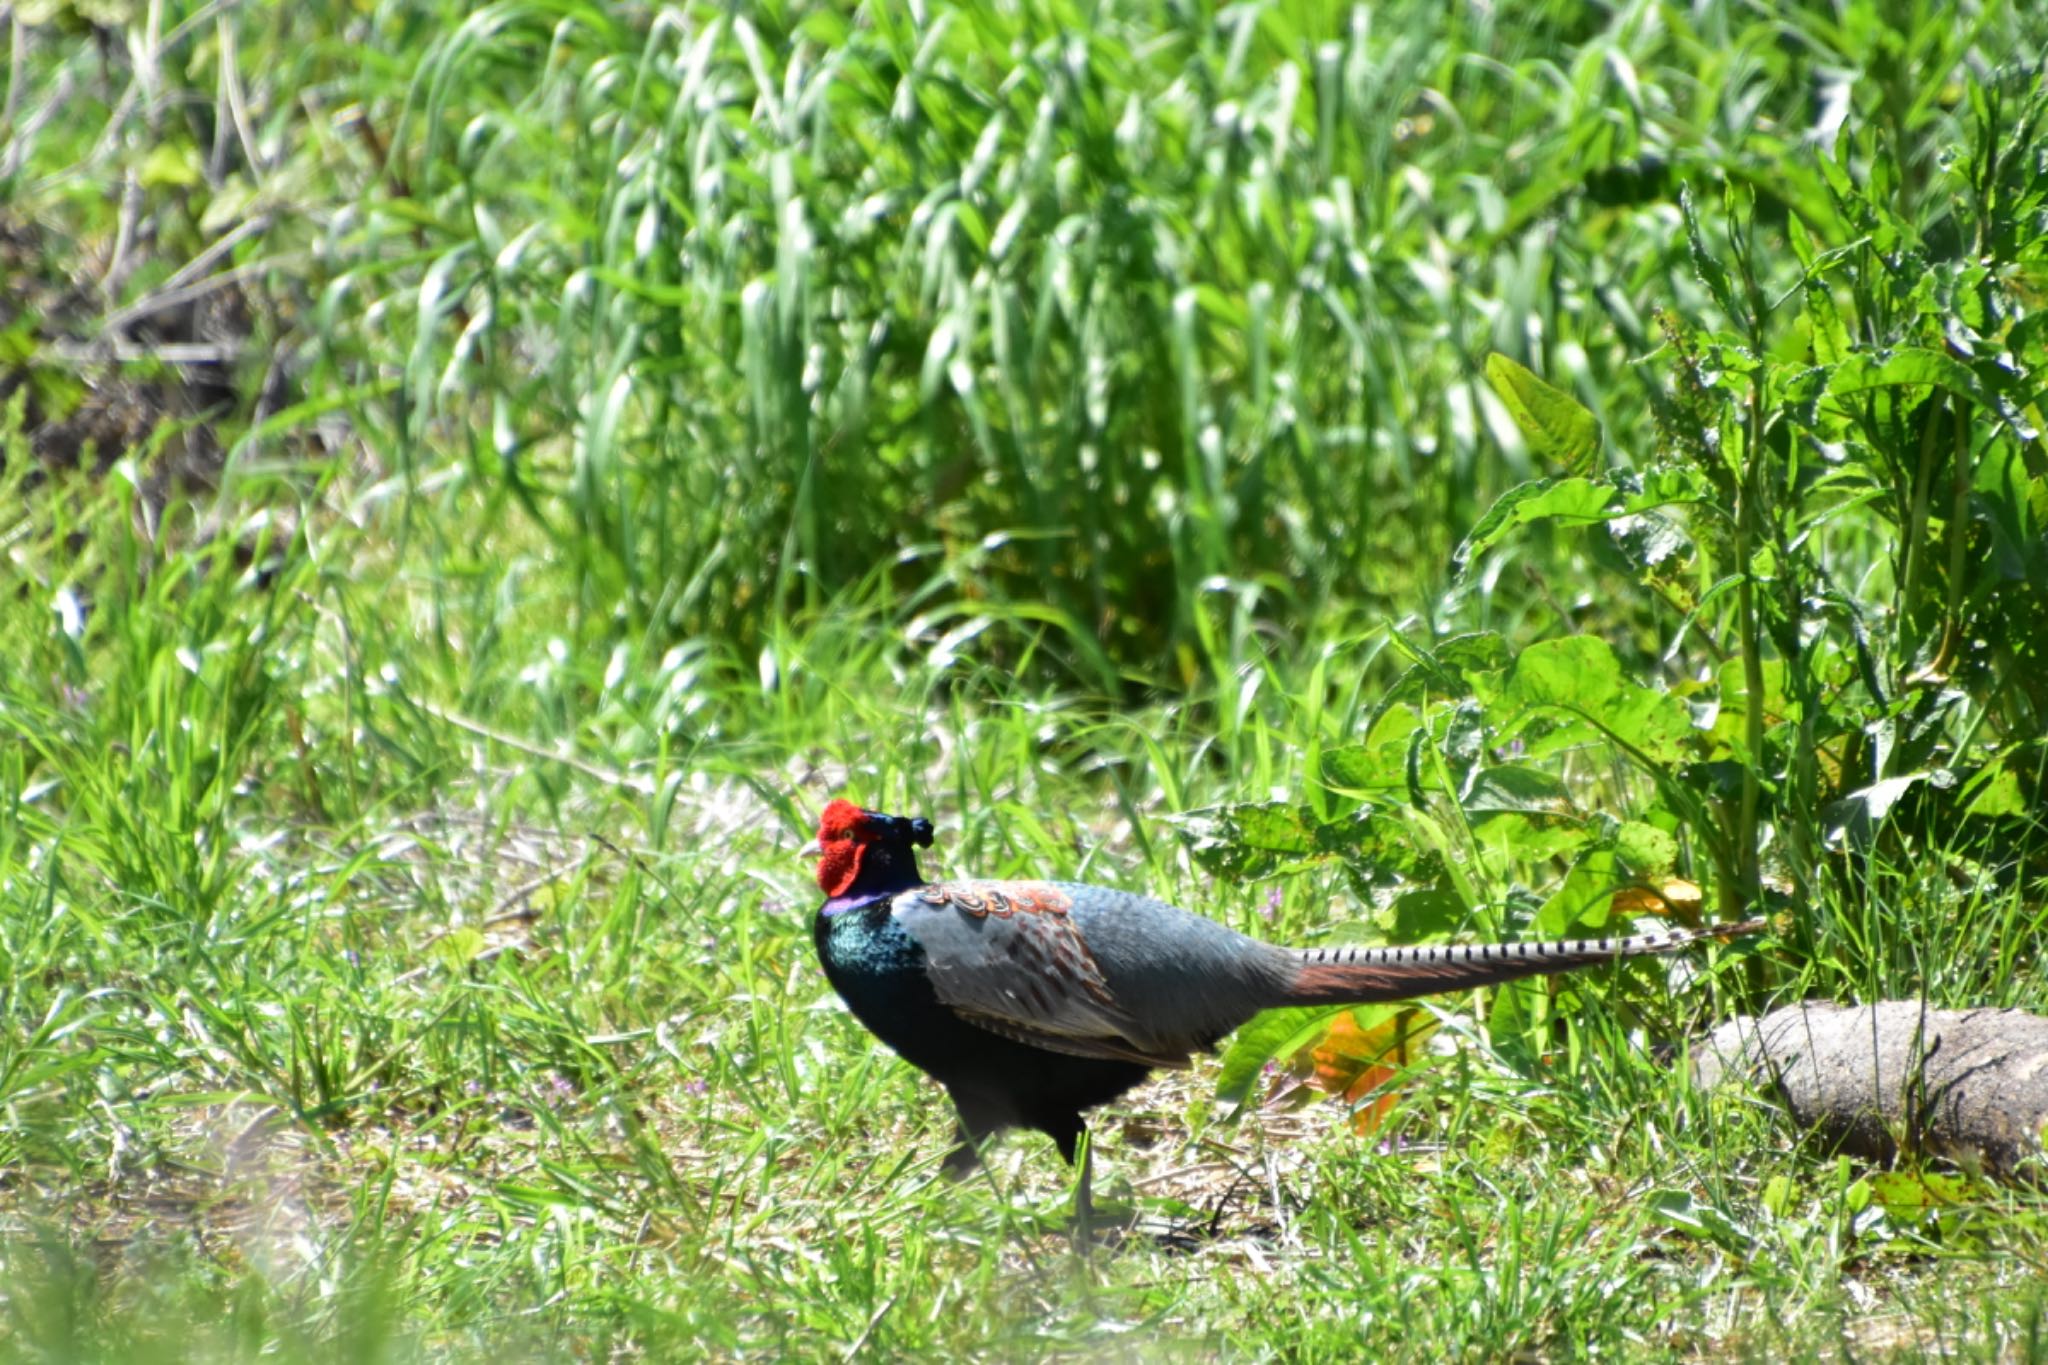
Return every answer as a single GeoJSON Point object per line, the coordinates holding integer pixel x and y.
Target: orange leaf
{"type": "Point", "coordinates": [1359, 1061]}
{"type": "Point", "coordinates": [1369, 1113]}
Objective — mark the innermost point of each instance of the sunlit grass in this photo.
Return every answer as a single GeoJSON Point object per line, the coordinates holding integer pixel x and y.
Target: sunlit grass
{"type": "Point", "coordinates": [472, 1050]}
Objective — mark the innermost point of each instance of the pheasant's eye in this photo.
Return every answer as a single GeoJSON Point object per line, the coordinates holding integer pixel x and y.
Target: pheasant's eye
{"type": "Point", "coordinates": [841, 821]}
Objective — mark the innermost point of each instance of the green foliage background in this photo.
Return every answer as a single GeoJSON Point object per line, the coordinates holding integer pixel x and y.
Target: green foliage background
{"type": "Point", "coordinates": [479, 478]}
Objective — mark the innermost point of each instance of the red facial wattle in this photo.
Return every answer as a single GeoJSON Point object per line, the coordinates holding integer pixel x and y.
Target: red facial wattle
{"type": "Point", "coordinates": [842, 837]}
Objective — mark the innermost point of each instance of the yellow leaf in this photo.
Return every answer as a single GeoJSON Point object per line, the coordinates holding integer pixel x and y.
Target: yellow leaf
{"type": "Point", "coordinates": [1673, 898]}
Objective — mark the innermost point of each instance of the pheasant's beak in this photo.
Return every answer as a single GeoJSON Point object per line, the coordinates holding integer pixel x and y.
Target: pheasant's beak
{"type": "Point", "coordinates": [811, 849]}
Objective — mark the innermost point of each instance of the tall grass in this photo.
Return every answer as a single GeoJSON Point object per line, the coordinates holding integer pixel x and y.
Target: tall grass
{"type": "Point", "coordinates": [1145, 318]}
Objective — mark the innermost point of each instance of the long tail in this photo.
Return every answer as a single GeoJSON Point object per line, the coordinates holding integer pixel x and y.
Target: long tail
{"type": "Point", "coordinates": [1359, 976]}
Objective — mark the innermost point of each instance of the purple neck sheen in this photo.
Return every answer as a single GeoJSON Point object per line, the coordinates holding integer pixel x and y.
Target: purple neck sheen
{"type": "Point", "coordinates": [839, 905]}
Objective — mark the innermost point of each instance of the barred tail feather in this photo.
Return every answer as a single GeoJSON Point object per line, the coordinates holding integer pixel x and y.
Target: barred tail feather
{"type": "Point", "coordinates": [1360, 976]}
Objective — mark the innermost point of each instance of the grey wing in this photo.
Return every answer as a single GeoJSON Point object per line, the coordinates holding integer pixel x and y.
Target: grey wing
{"type": "Point", "coordinates": [1090, 971]}
{"type": "Point", "coordinates": [1008, 957]}
{"type": "Point", "coordinates": [1190, 979]}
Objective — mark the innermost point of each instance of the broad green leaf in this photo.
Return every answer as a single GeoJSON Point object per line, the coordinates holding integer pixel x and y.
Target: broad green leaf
{"type": "Point", "coordinates": [1371, 768]}
{"type": "Point", "coordinates": [1507, 787]}
{"type": "Point", "coordinates": [1577, 682]}
{"type": "Point", "coordinates": [1583, 901]}
{"type": "Point", "coordinates": [1648, 851]}
{"type": "Point", "coordinates": [1265, 838]}
{"type": "Point", "coordinates": [1831, 343]}
{"type": "Point", "coordinates": [1249, 839]}
{"type": "Point", "coordinates": [1995, 790]}
{"type": "Point", "coordinates": [1646, 490]}
{"type": "Point", "coordinates": [1802, 241]}
{"type": "Point", "coordinates": [1264, 1038]}
{"type": "Point", "coordinates": [1447, 669]}
{"type": "Point", "coordinates": [1557, 427]}
{"type": "Point", "coordinates": [1378, 764]}
{"type": "Point", "coordinates": [1720, 779]}
{"type": "Point", "coordinates": [1904, 366]}
{"type": "Point", "coordinates": [1335, 1047]}
{"type": "Point", "coordinates": [2015, 507]}
{"type": "Point", "coordinates": [1583, 502]}
{"type": "Point", "coordinates": [1913, 1193]}
{"type": "Point", "coordinates": [1574, 501]}
{"type": "Point", "coordinates": [1521, 847]}
{"type": "Point", "coordinates": [1421, 915]}
{"type": "Point", "coordinates": [1461, 741]}
{"type": "Point", "coordinates": [1479, 651]}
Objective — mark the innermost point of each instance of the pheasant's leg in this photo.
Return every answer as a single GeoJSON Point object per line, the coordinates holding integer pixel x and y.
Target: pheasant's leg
{"type": "Point", "coordinates": [1072, 1136]}
{"type": "Point", "coordinates": [978, 1123]}
{"type": "Point", "coordinates": [965, 1156]}
{"type": "Point", "coordinates": [1084, 1198]}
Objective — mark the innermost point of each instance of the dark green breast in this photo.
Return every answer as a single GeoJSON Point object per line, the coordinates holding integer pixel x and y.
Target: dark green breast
{"type": "Point", "coordinates": [879, 971]}
{"type": "Point", "coordinates": [882, 974]}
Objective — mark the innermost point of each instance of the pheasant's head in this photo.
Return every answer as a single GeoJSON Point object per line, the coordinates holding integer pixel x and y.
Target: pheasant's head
{"type": "Point", "coordinates": [864, 851]}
